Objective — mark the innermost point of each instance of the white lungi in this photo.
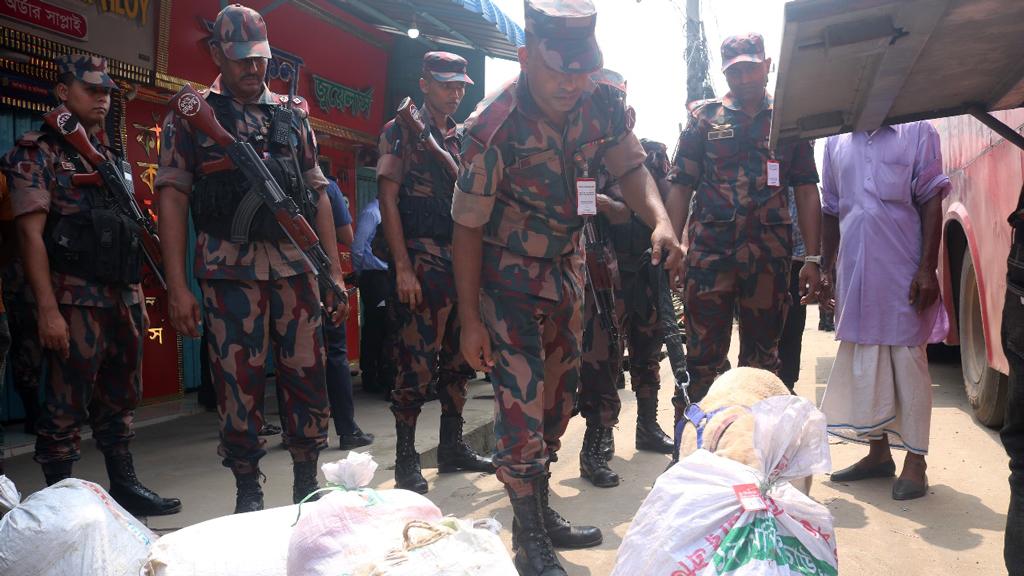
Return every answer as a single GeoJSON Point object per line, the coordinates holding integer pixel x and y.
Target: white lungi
{"type": "Point", "coordinates": [877, 390]}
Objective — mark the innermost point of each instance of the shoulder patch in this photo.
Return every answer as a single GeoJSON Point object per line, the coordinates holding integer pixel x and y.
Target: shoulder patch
{"type": "Point", "coordinates": [697, 105]}
{"type": "Point", "coordinates": [296, 102]}
{"type": "Point", "coordinates": [490, 115]}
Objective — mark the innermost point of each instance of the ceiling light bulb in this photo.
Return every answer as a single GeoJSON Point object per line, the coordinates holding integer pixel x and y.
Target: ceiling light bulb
{"type": "Point", "coordinates": [413, 32]}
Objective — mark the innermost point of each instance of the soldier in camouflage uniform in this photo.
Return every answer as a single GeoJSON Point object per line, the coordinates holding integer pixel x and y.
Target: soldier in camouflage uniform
{"type": "Point", "coordinates": [523, 191]}
{"type": "Point", "coordinates": [5, 333]}
{"type": "Point", "coordinates": [638, 323]}
{"type": "Point", "coordinates": [259, 289]}
{"type": "Point", "coordinates": [415, 195]}
{"type": "Point", "coordinates": [740, 231]}
{"type": "Point", "coordinates": [85, 290]}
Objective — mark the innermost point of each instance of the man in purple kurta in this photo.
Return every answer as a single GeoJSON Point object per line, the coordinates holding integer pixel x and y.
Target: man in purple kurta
{"type": "Point", "coordinates": [882, 204]}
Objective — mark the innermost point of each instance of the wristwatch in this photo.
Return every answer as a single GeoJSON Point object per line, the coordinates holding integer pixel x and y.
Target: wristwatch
{"type": "Point", "coordinates": [813, 260]}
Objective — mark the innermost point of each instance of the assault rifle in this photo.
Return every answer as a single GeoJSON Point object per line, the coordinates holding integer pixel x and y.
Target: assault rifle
{"type": "Point", "coordinates": [112, 178]}
{"type": "Point", "coordinates": [411, 119]}
{"type": "Point", "coordinates": [191, 107]}
{"type": "Point", "coordinates": [602, 287]}
{"type": "Point", "coordinates": [674, 340]}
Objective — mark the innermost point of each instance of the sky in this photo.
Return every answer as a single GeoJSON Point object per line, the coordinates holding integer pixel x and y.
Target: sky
{"type": "Point", "coordinates": [644, 40]}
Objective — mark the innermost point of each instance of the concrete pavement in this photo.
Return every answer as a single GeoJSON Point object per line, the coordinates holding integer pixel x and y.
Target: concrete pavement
{"type": "Point", "coordinates": [957, 529]}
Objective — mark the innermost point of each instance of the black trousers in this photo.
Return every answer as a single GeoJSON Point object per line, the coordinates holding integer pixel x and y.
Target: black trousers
{"type": "Point", "coordinates": [1013, 427]}
{"type": "Point", "coordinates": [374, 356]}
{"type": "Point", "coordinates": [792, 332]}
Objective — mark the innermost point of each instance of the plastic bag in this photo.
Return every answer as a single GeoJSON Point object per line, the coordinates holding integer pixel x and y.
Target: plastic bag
{"type": "Point", "coordinates": [711, 516]}
{"type": "Point", "coordinates": [351, 524]}
{"type": "Point", "coordinates": [449, 548]}
{"type": "Point", "coordinates": [251, 544]}
{"type": "Point", "coordinates": [72, 527]}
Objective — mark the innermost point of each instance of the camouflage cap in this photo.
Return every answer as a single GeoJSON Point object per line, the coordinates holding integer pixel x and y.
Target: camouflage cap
{"type": "Point", "coordinates": [742, 48]}
{"type": "Point", "coordinates": [446, 67]}
{"type": "Point", "coordinates": [91, 70]}
{"type": "Point", "coordinates": [241, 33]}
{"type": "Point", "coordinates": [565, 31]}
{"type": "Point", "coordinates": [609, 77]}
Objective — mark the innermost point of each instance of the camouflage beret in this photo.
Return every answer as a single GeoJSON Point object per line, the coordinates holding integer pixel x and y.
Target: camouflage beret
{"type": "Point", "coordinates": [446, 67]}
{"type": "Point", "coordinates": [241, 33]}
{"type": "Point", "coordinates": [91, 70]}
{"type": "Point", "coordinates": [743, 48]}
{"type": "Point", "coordinates": [565, 31]}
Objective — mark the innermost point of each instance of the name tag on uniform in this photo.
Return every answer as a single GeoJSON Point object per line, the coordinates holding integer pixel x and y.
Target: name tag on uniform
{"type": "Point", "coordinates": [773, 173]}
{"type": "Point", "coordinates": [586, 196]}
{"type": "Point", "coordinates": [720, 134]}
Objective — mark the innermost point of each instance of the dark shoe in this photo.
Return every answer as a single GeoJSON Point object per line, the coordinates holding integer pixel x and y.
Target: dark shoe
{"type": "Point", "coordinates": [127, 491]}
{"type": "Point", "coordinates": [305, 481]}
{"type": "Point", "coordinates": [650, 436]}
{"type": "Point", "coordinates": [909, 490]}
{"type": "Point", "coordinates": [608, 446]}
{"type": "Point", "coordinates": [562, 533]}
{"type": "Point", "coordinates": [593, 464]}
{"type": "Point", "coordinates": [535, 553]}
{"type": "Point", "coordinates": [453, 454]}
{"type": "Point", "coordinates": [356, 439]}
{"type": "Point", "coordinates": [270, 430]}
{"type": "Point", "coordinates": [408, 475]}
{"type": "Point", "coordinates": [249, 494]}
{"type": "Point", "coordinates": [858, 472]}
{"type": "Point", "coordinates": [56, 471]}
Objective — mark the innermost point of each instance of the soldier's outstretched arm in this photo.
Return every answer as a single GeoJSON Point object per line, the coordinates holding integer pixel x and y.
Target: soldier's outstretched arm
{"type": "Point", "coordinates": [53, 330]}
{"type": "Point", "coordinates": [329, 241]}
{"type": "Point", "coordinates": [181, 304]}
{"type": "Point", "coordinates": [474, 342]}
{"type": "Point", "coordinates": [677, 204]}
{"type": "Point", "coordinates": [641, 195]}
{"type": "Point", "coordinates": [406, 283]}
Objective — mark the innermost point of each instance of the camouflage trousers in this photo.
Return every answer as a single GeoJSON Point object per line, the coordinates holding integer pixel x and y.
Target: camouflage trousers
{"type": "Point", "coordinates": [536, 349]}
{"type": "Point", "coordinates": [26, 354]}
{"type": "Point", "coordinates": [758, 293]}
{"type": "Point", "coordinates": [5, 344]}
{"type": "Point", "coordinates": [101, 381]}
{"type": "Point", "coordinates": [640, 331]}
{"type": "Point", "coordinates": [242, 319]}
{"type": "Point", "coordinates": [427, 344]}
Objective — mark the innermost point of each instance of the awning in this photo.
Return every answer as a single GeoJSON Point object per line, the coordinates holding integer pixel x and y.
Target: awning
{"type": "Point", "coordinates": [850, 65]}
{"type": "Point", "coordinates": [475, 24]}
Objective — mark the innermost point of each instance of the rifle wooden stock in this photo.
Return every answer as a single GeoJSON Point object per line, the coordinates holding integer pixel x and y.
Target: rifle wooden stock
{"type": "Point", "coordinates": [191, 107]}
{"type": "Point", "coordinates": [109, 174]}
{"type": "Point", "coordinates": [410, 117]}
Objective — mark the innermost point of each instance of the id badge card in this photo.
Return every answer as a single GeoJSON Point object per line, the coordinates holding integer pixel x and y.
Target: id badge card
{"type": "Point", "coordinates": [773, 173]}
{"type": "Point", "coordinates": [586, 197]}
{"type": "Point", "coordinates": [750, 497]}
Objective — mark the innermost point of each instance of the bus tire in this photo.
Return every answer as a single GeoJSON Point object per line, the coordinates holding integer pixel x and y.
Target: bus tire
{"type": "Point", "coordinates": [985, 387]}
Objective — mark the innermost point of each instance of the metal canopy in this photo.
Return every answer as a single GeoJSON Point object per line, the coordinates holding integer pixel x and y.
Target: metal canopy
{"type": "Point", "coordinates": [474, 24]}
{"type": "Point", "coordinates": [850, 65]}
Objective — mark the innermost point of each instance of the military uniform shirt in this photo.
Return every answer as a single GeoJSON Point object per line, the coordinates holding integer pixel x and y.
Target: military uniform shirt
{"type": "Point", "coordinates": [39, 175]}
{"type": "Point", "coordinates": [183, 151]}
{"type": "Point", "coordinates": [518, 181]}
{"type": "Point", "coordinates": [723, 154]}
{"type": "Point", "coordinates": [406, 160]}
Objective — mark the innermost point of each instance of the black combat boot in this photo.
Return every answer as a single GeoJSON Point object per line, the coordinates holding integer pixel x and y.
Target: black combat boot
{"type": "Point", "coordinates": [408, 475]}
{"type": "Point", "coordinates": [650, 436]}
{"type": "Point", "coordinates": [593, 464]}
{"type": "Point", "coordinates": [249, 495]}
{"type": "Point", "coordinates": [562, 533]}
{"type": "Point", "coordinates": [56, 471]}
{"type": "Point", "coordinates": [305, 481]}
{"type": "Point", "coordinates": [453, 454]}
{"type": "Point", "coordinates": [535, 553]}
{"type": "Point", "coordinates": [608, 445]}
{"type": "Point", "coordinates": [126, 489]}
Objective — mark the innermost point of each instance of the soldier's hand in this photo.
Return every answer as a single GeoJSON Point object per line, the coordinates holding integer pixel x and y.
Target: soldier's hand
{"type": "Point", "coordinates": [337, 308]}
{"type": "Point", "coordinates": [53, 332]}
{"type": "Point", "coordinates": [924, 290]}
{"type": "Point", "coordinates": [826, 296]}
{"type": "Point", "coordinates": [408, 287]}
{"type": "Point", "coordinates": [475, 344]}
{"type": "Point", "coordinates": [183, 311]}
{"type": "Point", "coordinates": [810, 283]}
{"type": "Point", "coordinates": [665, 245]}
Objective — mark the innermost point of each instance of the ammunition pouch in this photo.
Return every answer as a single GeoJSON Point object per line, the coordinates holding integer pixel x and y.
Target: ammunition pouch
{"type": "Point", "coordinates": [426, 217]}
{"type": "Point", "coordinates": [223, 207]}
{"type": "Point", "coordinates": [98, 245]}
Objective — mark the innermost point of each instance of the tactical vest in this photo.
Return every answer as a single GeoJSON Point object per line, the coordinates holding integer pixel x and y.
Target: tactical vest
{"type": "Point", "coordinates": [219, 202]}
{"type": "Point", "coordinates": [428, 217]}
{"type": "Point", "coordinates": [99, 244]}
